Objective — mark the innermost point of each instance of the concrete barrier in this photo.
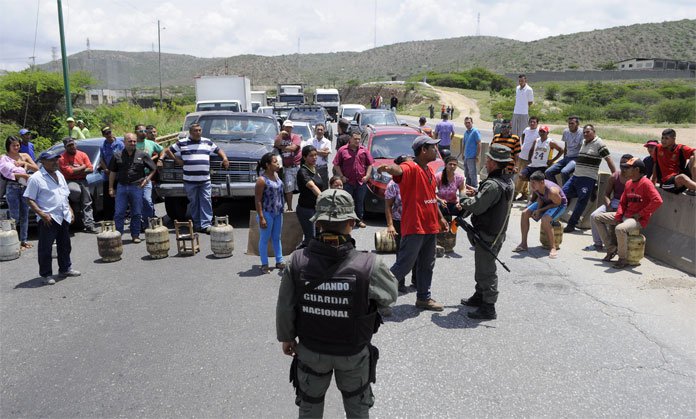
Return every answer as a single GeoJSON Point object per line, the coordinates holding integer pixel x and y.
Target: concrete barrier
{"type": "Point", "coordinates": [671, 232]}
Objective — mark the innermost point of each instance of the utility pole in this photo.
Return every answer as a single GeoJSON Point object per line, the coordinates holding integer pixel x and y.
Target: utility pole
{"type": "Point", "coordinates": [478, 24]}
{"type": "Point", "coordinates": [64, 55]}
{"type": "Point", "coordinates": [375, 40]}
{"type": "Point", "coordinates": [159, 60]}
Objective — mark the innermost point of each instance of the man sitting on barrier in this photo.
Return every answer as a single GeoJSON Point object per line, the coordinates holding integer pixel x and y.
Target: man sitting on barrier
{"type": "Point", "coordinates": [675, 165]}
{"type": "Point", "coordinates": [638, 202]}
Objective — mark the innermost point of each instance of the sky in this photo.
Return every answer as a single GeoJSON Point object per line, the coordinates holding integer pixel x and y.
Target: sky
{"type": "Point", "coordinates": [224, 28]}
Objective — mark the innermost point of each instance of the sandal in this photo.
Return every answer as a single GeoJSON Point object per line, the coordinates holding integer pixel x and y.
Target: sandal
{"type": "Point", "coordinates": [609, 256]}
{"type": "Point", "coordinates": [520, 249]}
{"type": "Point", "coordinates": [25, 245]}
{"type": "Point", "coordinates": [553, 255]}
{"type": "Point", "coordinates": [265, 269]}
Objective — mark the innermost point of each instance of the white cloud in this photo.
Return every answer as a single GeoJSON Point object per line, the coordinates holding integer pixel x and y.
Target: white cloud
{"type": "Point", "coordinates": [272, 27]}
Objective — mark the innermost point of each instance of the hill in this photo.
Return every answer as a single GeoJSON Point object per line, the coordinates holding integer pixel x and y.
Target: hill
{"type": "Point", "coordinates": [580, 51]}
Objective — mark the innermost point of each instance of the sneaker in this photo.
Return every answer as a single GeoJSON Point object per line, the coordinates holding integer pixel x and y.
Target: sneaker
{"type": "Point", "coordinates": [484, 312]}
{"type": "Point", "coordinates": [593, 248]}
{"type": "Point", "coordinates": [385, 311]}
{"type": "Point", "coordinates": [474, 301]}
{"type": "Point", "coordinates": [280, 265]}
{"type": "Point", "coordinates": [49, 280]}
{"type": "Point", "coordinates": [569, 229]}
{"type": "Point", "coordinates": [429, 304]}
{"type": "Point", "coordinates": [361, 224]}
{"type": "Point", "coordinates": [71, 272]}
{"type": "Point", "coordinates": [265, 269]}
{"type": "Point", "coordinates": [403, 289]}
{"type": "Point", "coordinates": [136, 240]}
{"type": "Point", "coordinates": [690, 192]}
{"type": "Point", "coordinates": [91, 229]}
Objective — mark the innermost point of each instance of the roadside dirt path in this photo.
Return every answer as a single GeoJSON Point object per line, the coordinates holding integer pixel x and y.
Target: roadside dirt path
{"type": "Point", "coordinates": [463, 106]}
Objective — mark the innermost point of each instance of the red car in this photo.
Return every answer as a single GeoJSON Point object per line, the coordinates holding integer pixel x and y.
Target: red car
{"type": "Point", "coordinates": [386, 143]}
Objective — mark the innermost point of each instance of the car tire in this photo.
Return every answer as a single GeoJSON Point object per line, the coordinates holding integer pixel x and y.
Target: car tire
{"type": "Point", "coordinates": [176, 208]}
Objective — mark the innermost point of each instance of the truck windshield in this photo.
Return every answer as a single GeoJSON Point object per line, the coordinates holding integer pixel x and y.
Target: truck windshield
{"type": "Point", "coordinates": [306, 115]}
{"type": "Point", "coordinates": [292, 98]}
{"type": "Point", "coordinates": [222, 106]}
{"type": "Point", "coordinates": [238, 127]}
{"type": "Point", "coordinates": [327, 98]}
{"type": "Point", "coordinates": [382, 118]}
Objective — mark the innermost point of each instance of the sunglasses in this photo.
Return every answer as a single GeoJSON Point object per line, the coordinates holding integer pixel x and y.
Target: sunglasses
{"type": "Point", "coordinates": [141, 130]}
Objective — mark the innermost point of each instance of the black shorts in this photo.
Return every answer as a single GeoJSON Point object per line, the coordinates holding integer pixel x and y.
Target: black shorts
{"type": "Point", "coordinates": [670, 186]}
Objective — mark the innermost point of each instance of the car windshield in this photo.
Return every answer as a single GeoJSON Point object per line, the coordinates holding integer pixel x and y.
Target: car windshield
{"type": "Point", "coordinates": [239, 127]}
{"type": "Point", "coordinates": [349, 112]}
{"type": "Point", "coordinates": [391, 146]}
{"type": "Point", "coordinates": [305, 114]}
{"type": "Point", "coordinates": [381, 118]}
{"type": "Point", "coordinates": [327, 98]}
{"type": "Point", "coordinates": [234, 107]}
{"type": "Point", "coordinates": [303, 130]}
{"type": "Point", "coordinates": [188, 121]}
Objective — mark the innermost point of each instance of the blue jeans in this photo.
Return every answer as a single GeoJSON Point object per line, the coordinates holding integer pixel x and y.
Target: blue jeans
{"type": "Point", "coordinates": [19, 209]}
{"type": "Point", "coordinates": [565, 166]}
{"type": "Point", "coordinates": [60, 233]}
{"type": "Point", "coordinates": [148, 205]}
{"type": "Point", "coordinates": [272, 232]}
{"type": "Point", "coordinates": [129, 195]}
{"type": "Point", "coordinates": [421, 248]}
{"type": "Point", "coordinates": [303, 216]}
{"type": "Point", "coordinates": [358, 193]}
{"type": "Point", "coordinates": [200, 206]}
{"type": "Point", "coordinates": [580, 187]}
{"type": "Point", "coordinates": [470, 172]}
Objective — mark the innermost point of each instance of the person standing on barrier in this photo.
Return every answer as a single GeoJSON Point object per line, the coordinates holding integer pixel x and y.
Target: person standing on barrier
{"type": "Point", "coordinates": [490, 211]}
{"type": "Point", "coordinates": [421, 219]}
{"type": "Point", "coordinates": [269, 199]}
{"type": "Point", "coordinates": [524, 98]}
{"type": "Point", "coordinates": [128, 168]}
{"type": "Point", "coordinates": [328, 299]}
{"type": "Point", "coordinates": [638, 203]}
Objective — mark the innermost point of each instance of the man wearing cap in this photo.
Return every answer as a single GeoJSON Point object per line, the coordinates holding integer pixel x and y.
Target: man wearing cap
{"type": "Point", "coordinates": [421, 219]}
{"type": "Point", "coordinates": [83, 128]}
{"type": "Point", "coordinates": [471, 149]}
{"type": "Point", "coordinates": [74, 131]}
{"type": "Point", "coordinates": [47, 194]}
{"type": "Point", "coordinates": [490, 211]}
{"type": "Point", "coordinates": [572, 138]}
{"type": "Point", "coordinates": [343, 135]}
{"type": "Point", "coordinates": [510, 141]}
{"type": "Point", "coordinates": [353, 163]}
{"type": "Point", "coordinates": [538, 157]}
{"type": "Point", "coordinates": [649, 160]}
{"type": "Point", "coordinates": [152, 149]}
{"type": "Point", "coordinates": [582, 183]}
{"type": "Point", "coordinates": [128, 168]}
{"type": "Point", "coordinates": [193, 153]}
{"type": "Point", "coordinates": [638, 202]}
{"type": "Point", "coordinates": [675, 165]}
{"type": "Point", "coordinates": [290, 146]}
{"type": "Point", "coordinates": [110, 146]}
{"type": "Point", "coordinates": [75, 166]}
{"type": "Point", "coordinates": [524, 97]}
{"type": "Point", "coordinates": [444, 130]}
{"type": "Point", "coordinates": [26, 146]}
{"type": "Point", "coordinates": [328, 299]}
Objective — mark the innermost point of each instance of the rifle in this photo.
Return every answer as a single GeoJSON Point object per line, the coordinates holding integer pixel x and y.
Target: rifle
{"type": "Point", "coordinates": [461, 222]}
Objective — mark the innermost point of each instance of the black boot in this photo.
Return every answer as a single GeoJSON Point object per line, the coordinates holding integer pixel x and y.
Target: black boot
{"type": "Point", "coordinates": [474, 301]}
{"type": "Point", "coordinates": [485, 311]}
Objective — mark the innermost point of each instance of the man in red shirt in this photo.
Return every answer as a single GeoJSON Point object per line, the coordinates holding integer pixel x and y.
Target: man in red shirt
{"type": "Point", "coordinates": [421, 219]}
{"type": "Point", "coordinates": [290, 146]}
{"type": "Point", "coordinates": [353, 163]}
{"type": "Point", "coordinates": [675, 165]}
{"type": "Point", "coordinates": [75, 166]}
{"type": "Point", "coordinates": [638, 202]}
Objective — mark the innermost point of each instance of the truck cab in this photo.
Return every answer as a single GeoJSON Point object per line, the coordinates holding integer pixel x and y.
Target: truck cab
{"type": "Point", "coordinates": [218, 105]}
{"type": "Point", "coordinates": [329, 99]}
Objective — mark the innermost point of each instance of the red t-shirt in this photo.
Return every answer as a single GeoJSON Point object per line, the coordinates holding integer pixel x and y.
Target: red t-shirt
{"type": "Point", "coordinates": [668, 160]}
{"type": "Point", "coordinates": [291, 158]}
{"type": "Point", "coordinates": [419, 214]}
{"type": "Point", "coordinates": [66, 162]}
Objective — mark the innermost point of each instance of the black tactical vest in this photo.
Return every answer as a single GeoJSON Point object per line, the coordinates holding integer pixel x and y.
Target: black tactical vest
{"type": "Point", "coordinates": [334, 314]}
{"type": "Point", "coordinates": [495, 219]}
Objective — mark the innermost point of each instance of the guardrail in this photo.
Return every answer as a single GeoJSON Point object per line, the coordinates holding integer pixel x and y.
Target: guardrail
{"type": "Point", "coordinates": [167, 140]}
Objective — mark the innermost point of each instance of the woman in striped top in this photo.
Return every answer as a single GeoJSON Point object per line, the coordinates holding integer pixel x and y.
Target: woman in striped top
{"type": "Point", "coordinates": [269, 201]}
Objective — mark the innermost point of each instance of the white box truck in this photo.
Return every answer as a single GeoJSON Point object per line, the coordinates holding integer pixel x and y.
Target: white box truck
{"type": "Point", "coordinates": [223, 93]}
{"type": "Point", "coordinates": [292, 94]}
{"type": "Point", "coordinates": [329, 99]}
{"type": "Point", "coordinates": [258, 99]}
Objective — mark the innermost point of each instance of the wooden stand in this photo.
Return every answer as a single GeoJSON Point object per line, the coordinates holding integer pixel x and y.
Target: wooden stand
{"type": "Point", "coordinates": [187, 242]}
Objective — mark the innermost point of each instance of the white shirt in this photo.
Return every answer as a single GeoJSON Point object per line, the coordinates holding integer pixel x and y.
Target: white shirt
{"type": "Point", "coordinates": [542, 149]}
{"type": "Point", "coordinates": [50, 196]}
{"type": "Point", "coordinates": [322, 144]}
{"type": "Point", "coordinates": [529, 136]}
{"type": "Point", "coordinates": [522, 98]}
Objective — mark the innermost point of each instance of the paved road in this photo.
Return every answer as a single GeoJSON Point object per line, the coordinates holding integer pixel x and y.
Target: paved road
{"type": "Point", "coordinates": [184, 337]}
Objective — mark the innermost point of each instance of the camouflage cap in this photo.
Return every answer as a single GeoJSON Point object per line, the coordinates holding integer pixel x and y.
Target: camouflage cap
{"type": "Point", "coordinates": [334, 205]}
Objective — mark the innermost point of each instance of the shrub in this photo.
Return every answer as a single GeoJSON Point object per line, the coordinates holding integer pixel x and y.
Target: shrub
{"type": "Point", "coordinates": [572, 94]}
{"type": "Point", "coordinates": [626, 111]}
{"type": "Point", "coordinates": [644, 97]}
{"type": "Point", "coordinates": [551, 92]}
{"type": "Point", "coordinates": [675, 111]}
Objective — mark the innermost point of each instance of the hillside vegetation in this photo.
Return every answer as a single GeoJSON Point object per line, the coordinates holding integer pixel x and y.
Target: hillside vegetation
{"type": "Point", "coordinates": [583, 51]}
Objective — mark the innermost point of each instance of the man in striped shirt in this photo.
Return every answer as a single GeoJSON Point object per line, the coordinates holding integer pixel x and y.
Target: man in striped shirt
{"type": "Point", "coordinates": [510, 141]}
{"type": "Point", "coordinates": [582, 183]}
{"type": "Point", "coordinates": [194, 154]}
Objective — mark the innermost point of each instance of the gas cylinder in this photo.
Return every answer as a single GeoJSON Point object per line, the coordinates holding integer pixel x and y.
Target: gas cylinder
{"type": "Point", "coordinates": [636, 249]}
{"type": "Point", "coordinates": [109, 242]}
{"type": "Point", "coordinates": [384, 243]}
{"type": "Point", "coordinates": [9, 240]}
{"type": "Point", "coordinates": [557, 236]}
{"type": "Point", "coordinates": [222, 238]}
{"type": "Point", "coordinates": [157, 239]}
